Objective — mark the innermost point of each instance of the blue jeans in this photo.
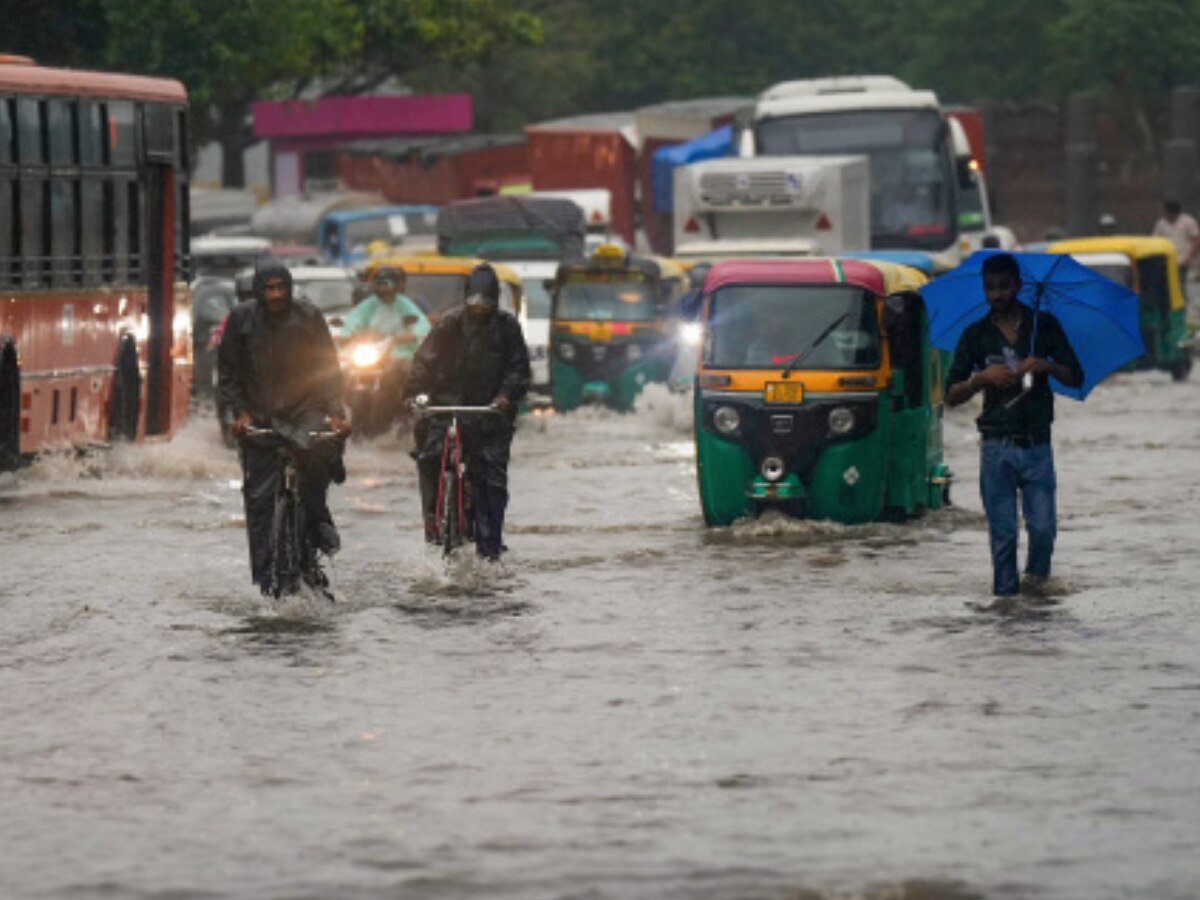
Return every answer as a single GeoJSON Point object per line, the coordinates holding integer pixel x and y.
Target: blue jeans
{"type": "Point", "coordinates": [1006, 469]}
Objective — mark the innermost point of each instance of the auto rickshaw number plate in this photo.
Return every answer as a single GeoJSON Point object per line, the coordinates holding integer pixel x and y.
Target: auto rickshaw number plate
{"type": "Point", "coordinates": [783, 392]}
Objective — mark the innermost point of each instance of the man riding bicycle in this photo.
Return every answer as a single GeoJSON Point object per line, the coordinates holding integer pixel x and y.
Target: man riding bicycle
{"type": "Point", "coordinates": [475, 356]}
{"type": "Point", "coordinates": [277, 366]}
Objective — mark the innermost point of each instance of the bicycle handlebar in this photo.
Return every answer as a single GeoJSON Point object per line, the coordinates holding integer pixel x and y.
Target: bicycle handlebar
{"type": "Point", "coordinates": [433, 410]}
{"type": "Point", "coordinates": [253, 431]}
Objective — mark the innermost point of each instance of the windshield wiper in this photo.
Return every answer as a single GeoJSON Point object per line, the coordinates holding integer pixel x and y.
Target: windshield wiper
{"type": "Point", "coordinates": [801, 357]}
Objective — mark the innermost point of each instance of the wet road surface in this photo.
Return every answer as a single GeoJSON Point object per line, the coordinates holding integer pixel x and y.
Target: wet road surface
{"type": "Point", "coordinates": [637, 707]}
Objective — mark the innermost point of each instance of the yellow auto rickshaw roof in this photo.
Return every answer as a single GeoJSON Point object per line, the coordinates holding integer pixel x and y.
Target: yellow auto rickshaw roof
{"type": "Point", "coordinates": [898, 277]}
{"type": "Point", "coordinates": [435, 264]}
{"type": "Point", "coordinates": [1135, 246]}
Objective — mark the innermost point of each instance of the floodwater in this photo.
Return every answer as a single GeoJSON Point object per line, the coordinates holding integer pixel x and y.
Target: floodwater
{"type": "Point", "coordinates": [637, 707]}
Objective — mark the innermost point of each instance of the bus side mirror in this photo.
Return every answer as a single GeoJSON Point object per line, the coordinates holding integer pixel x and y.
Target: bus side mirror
{"type": "Point", "coordinates": [966, 175]}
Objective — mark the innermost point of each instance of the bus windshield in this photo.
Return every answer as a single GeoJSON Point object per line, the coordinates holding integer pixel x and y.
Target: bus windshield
{"type": "Point", "coordinates": [763, 326]}
{"type": "Point", "coordinates": [596, 296]}
{"type": "Point", "coordinates": [912, 176]}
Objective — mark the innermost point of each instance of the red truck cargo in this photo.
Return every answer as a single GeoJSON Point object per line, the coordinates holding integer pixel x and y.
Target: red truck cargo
{"type": "Point", "coordinates": [435, 170]}
{"type": "Point", "coordinates": [597, 151]}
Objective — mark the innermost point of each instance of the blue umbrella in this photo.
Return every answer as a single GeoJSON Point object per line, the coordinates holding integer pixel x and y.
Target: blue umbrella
{"type": "Point", "coordinates": [1099, 316]}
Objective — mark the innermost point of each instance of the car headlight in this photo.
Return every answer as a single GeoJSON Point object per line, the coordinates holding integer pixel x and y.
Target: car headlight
{"type": "Point", "coordinates": [690, 334]}
{"type": "Point", "coordinates": [633, 352]}
{"type": "Point", "coordinates": [726, 419]}
{"type": "Point", "coordinates": [841, 420]}
{"type": "Point", "coordinates": [366, 355]}
{"type": "Point", "coordinates": [566, 351]}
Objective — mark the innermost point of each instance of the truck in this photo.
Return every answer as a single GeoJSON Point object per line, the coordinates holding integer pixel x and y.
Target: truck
{"type": "Point", "coordinates": [779, 206]}
{"type": "Point", "coordinates": [916, 176]}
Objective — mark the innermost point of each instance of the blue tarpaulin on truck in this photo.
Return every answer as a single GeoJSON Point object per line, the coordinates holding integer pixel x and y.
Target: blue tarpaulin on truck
{"type": "Point", "coordinates": [713, 145]}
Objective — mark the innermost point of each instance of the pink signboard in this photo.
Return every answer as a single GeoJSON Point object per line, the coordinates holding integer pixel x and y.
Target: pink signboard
{"type": "Point", "coordinates": [358, 117]}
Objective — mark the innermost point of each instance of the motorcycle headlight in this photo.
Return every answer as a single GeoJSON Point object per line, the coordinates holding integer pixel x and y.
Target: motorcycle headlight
{"type": "Point", "coordinates": [566, 351]}
{"type": "Point", "coordinates": [633, 352]}
{"type": "Point", "coordinates": [726, 419]}
{"type": "Point", "coordinates": [691, 334]}
{"type": "Point", "coordinates": [366, 355]}
{"type": "Point", "coordinates": [841, 420]}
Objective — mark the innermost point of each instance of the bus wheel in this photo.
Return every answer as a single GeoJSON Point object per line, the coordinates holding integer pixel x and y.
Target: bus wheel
{"type": "Point", "coordinates": [10, 407]}
{"type": "Point", "coordinates": [123, 408]}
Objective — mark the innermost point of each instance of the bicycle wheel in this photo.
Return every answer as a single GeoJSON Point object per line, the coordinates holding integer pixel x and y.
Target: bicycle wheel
{"type": "Point", "coordinates": [286, 552]}
{"type": "Point", "coordinates": [448, 518]}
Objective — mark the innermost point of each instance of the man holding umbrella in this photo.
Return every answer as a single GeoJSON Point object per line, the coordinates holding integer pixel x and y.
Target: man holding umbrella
{"type": "Point", "coordinates": [1011, 353]}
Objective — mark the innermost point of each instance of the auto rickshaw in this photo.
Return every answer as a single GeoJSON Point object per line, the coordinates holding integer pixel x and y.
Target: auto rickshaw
{"type": "Point", "coordinates": [1148, 266]}
{"type": "Point", "coordinates": [437, 283]}
{"type": "Point", "coordinates": [817, 392]}
{"type": "Point", "coordinates": [607, 337]}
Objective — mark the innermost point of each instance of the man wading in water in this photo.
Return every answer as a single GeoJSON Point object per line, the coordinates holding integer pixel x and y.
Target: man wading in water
{"type": "Point", "coordinates": [1011, 358]}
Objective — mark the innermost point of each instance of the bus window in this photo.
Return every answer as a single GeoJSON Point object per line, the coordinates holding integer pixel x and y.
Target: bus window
{"type": "Point", "coordinates": [60, 132]}
{"type": "Point", "coordinates": [160, 133]}
{"type": "Point", "coordinates": [91, 220]}
{"type": "Point", "coordinates": [30, 147]}
{"type": "Point", "coordinates": [8, 130]}
{"type": "Point", "coordinates": [91, 135]}
{"type": "Point", "coordinates": [8, 233]}
{"type": "Point", "coordinates": [63, 255]}
{"type": "Point", "coordinates": [133, 221]}
{"type": "Point", "coordinates": [121, 131]}
{"type": "Point", "coordinates": [33, 229]}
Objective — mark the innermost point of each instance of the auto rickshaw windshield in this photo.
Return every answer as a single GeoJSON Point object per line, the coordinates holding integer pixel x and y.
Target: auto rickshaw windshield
{"type": "Point", "coordinates": [601, 298]}
{"type": "Point", "coordinates": [437, 291]}
{"type": "Point", "coordinates": [763, 326]}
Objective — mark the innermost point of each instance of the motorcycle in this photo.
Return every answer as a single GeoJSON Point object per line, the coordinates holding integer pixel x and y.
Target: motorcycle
{"type": "Point", "coordinates": [374, 380]}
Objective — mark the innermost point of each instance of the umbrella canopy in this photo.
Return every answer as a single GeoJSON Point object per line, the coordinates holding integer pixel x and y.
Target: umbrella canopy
{"type": "Point", "coordinates": [1099, 316]}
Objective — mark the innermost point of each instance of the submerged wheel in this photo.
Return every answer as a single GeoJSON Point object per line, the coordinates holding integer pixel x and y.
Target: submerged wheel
{"type": "Point", "coordinates": [10, 407]}
{"type": "Point", "coordinates": [126, 391]}
{"type": "Point", "coordinates": [448, 523]}
{"type": "Point", "coordinates": [1181, 367]}
{"type": "Point", "coordinates": [286, 552]}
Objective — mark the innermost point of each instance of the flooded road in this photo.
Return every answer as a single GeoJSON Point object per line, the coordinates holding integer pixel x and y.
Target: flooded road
{"type": "Point", "coordinates": [637, 708]}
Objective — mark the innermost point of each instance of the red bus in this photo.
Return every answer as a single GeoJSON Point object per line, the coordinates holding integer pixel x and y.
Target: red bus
{"type": "Point", "coordinates": [95, 317]}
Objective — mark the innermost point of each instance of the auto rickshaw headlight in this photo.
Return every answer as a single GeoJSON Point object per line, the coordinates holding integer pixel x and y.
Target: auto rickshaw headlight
{"type": "Point", "coordinates": [772, 468]}
{"type": "Point", "coordinates": [726, 419]}
{"type": "Point", "coordinates": [566, 351]}
{"type": "Point", "coordinates": [841, 420]}
{"type": "Point", "coordinates": [633, 352]}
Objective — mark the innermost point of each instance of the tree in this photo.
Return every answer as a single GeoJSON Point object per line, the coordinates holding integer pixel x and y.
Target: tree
{"type": "Point", "coordinates": [231, 54]}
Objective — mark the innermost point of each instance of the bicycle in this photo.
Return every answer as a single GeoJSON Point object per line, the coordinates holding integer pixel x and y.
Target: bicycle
{"type": "Point", "coordinates": [452, 503]}
{"type": "Point", "coordinates": [293, 556]}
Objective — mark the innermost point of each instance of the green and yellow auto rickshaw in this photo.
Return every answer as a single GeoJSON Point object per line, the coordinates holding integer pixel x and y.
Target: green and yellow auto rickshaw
{"type": "Point", "coordinates": [1148, 266]}
{"type": "Point", "coordinates": [607, 334]}
{"type": "Point", "coordinates": [817, 392]}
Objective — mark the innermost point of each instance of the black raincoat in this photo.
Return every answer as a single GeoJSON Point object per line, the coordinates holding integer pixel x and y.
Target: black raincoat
{"type": "Point", "coordinates": [283, 370]}
{"type": "Point", "coordinates": [466, 361]}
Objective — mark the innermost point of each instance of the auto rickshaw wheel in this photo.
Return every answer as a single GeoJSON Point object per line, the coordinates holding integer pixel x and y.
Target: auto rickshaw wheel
{"type": "Point", "coordinates": [1181, 367]}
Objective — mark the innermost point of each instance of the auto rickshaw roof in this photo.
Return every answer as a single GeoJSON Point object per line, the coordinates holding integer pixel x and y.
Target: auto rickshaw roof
{"type": "Point", "coordinates": [1135, 246]}
{"type": "Point", "coordinates": [433, 264]}
{"type": "Point", "coordinates": [870, 275]}
{"type": "Point", "coordinates": [647, 265]}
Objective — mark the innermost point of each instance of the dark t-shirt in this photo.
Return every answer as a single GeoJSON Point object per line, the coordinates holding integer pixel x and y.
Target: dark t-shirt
{"type": "Point", "coordinates": [983, 344]}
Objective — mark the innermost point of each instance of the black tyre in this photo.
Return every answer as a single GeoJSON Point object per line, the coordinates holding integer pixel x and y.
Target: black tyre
{"type": "Point", "coordinates": [286, 551]}
{"type": "Point", "coordinates": [448, 523]}
{"type": "Point", "coordinates": [10, 407]}
{"type": "Point", "coordinates": [126, 392]}
{"type": "Point", "coordinates": [1181, 367]}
